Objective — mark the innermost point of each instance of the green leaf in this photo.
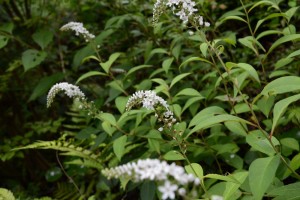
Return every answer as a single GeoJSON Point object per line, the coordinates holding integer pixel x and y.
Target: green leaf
{"type": "Point", "coordinates": [44, 85]}
{"type": "Point", "coordinates": [206, 112]}
{"type": "Point", "coordinates": [108, 128]}
{"type": "Point", "coordinates": [195, 169]}
{"type": "Point", "coordinates": [268, 32]}
{"type": "Point", "coordinates": [173, 155]}
{"type": "Point", "coordinates": [167, 64]}
{"type": "Point", "coordinates": [148, 190]}
{"type": "Point", "coordinates": [107, 117]}
{"type": "Point", "coordinates": [189, 92]}
{"type": "Point", "coordinates": [283, 62]}
{"type": "Point", "coordinates": [119, 146]}
{"type": "Point", "coordinates": [112, 58]}
{"type": "Point", "coordinates": [291, 143]}
{"type": "Point", "coordinates": [290, 13]}
{"type": "Point", "coordinates": [89, 74]}
{"type": "Point", "coordinates": [273, 15]}
{"type": "Point", "coordinates": [248, 41]}
{"type": "Point", "coordinates": [223, 19]}
{"type": "Point", "coordinates": [237, 127]}
{"type": "Point", "coordinates": [213, 120]}
{"type": "Point", "coordinates": [231, 188]}
{"type": "Point", "coordinates": [265, 104]}
{"type": "Point", "coordinates": [43, 37]}
{"type": "Point", "coordinates": [265, 2]}
{"type": "Point", "coordinates": [258, 141]}
{"type": "Point", "coordinates": [294, 164]}
{"type": "Point", "coordinates": [194, 59]}
{"type": "Point", "coordinates": [286, 192]}
{"type": "Point", "coordinates": [178, 78]}
{"type": "Point", "coordinates": [286, 38]}
{"type": "Point", "coordinates": [203, 49]}
{"type": "Point", "coordinates": [31, 58]}
{"type": "Point", "coordinates": [282, 85]}
{"type": "Point", "coordinates": [280, 108]}
{"type": "Point", "coordinates": [134, 69]}
{"type": "Point", "coordinates": [121, 103]}
{"type": "Point", "coordinates": [261, 174]}
{"type": "Point", "coordinates": [4, 38]}
{"type": "Point", "coordinates": [250, 70]}
{"type": "Point", "coordinates": [228, 178]}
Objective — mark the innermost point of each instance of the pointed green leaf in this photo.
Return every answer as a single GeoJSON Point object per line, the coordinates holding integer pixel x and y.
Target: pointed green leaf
{"type": "Point", "coordinates": [167, 64]}
{"type": "Point", "coordinates": [119, 146]}
{"type": "Point", "coordinates": [206, 112]}
{"type": "Point", "coordinates": [286, 38]}
{"type": "Point", "coordinates": [89, 74]}
{"type": "Point", "coordinates": [173, 155]}
{"type": "Point", "coordinates": [107, 117]}
{"type": "Point", "coordinates": [258, 141]}
{"type": "Point", "coordinates": [280, 108]}
{"type": "Point", "coordinates": [43, 37]}
{"type": "Point", "coordinates": [178, 78]}
{"type": "Point", "coordinates": [189, 92]}
{"type": "Point", "coordinates": [231, 188]}
{"type": "Point", "coordinates": [213, 120]}
{"type": "Point", "coordinates": [112, 58]}
{"type": "Point", "coordinates": [195, 169]}
{"type": "Point", "coordinates": [228, 178]}
{"type": "Point", "coordinates": [5, 37]}
{"type": "Point", "coordinates": [282, 85]}
{"type": "Point", "coordinates": [261, 174]}
{"type": "Point", "coordinates": [194, 59]}
{"type": "Point", "coordinates": [134, 69]}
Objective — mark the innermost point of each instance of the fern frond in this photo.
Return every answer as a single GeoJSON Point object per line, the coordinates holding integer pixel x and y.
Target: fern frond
{"type": "Point", "coordinates": [6, 194]}
{"type": "Point", "coordinates": [65, 191]}
{"type": "Point", "coordinates": [67, 148]}
{"type": "Point", "coordinates": [86, 163]}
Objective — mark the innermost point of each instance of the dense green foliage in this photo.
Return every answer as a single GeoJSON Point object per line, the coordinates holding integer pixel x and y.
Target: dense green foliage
{"type": "Point", "coordinates": [233, 88]}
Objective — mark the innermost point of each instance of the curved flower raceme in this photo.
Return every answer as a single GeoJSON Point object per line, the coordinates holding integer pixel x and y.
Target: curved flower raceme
{"type": "Point", "coordinates": [79, 30]}
{"type": "Point", "coordinates": [184, 9]}
{"type": "Point", "coordinates": [70, 90]}
{"type": "Point", "coordinates": [151, 101]}
{"type": "Point", "coordinates": [171, 179]}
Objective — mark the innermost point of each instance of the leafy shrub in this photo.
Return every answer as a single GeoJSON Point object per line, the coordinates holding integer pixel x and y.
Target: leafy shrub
{"type": "Point", "coordinates": [211, 87]}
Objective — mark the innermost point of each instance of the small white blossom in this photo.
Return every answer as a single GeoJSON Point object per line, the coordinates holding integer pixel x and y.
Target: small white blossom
{"type": "Point", "coordinates": [79, 30]}
{"type": "Point", "coordinates": [168, 190]}
{"type": "Point", "coordinates": [70, 90]}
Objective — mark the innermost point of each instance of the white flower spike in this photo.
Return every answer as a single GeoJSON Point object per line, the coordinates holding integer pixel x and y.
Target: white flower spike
{"type": "Point", "coordinates": [70, 90]}
{"type": "Point", "coordinates": [79, 30]}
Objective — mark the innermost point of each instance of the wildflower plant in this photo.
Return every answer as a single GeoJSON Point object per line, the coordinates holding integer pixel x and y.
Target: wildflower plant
{"type": "Point", "coordinates": [234, 94]}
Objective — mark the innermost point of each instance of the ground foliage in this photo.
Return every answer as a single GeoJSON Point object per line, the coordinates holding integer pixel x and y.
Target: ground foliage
{"type": "Point", "coordinates": [233, 88]}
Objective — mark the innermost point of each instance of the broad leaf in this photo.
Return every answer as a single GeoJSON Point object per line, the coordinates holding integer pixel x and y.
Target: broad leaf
{"type": "Point", "coordinates": [89, 74]}
{"type": "Point", "coordinates": [112, 58]}
{"type": "Point", "coordinates": [280, 108]}
{"type": "Point", "coordinates": [261, 174]}
{"type": "Point", "coordinates": [31, 58]}
{"type": "Point", "coordinates": [282, 85]}
{"type": "Point", "coordinates": [195, 169]}
{"type": "Point", "coordinates": [119, 146]}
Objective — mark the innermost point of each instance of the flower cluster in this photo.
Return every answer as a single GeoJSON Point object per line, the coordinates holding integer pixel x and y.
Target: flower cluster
{"type": "Point", "coordinates": [184, 9]}
{"type": "Point", "coordinates": [70, 90]}
{"type": "Point", "coordinates": [79, 30]}
{"type": "Point", "coordinates": [171, 178]}
{"type": "Point", "coordinates": [151, 101]}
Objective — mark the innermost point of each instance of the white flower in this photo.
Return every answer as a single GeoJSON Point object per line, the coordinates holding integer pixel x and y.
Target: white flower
{"type": "Point", "coordinates": [70, 90]}
{"type": "Point", "coordinates": [168, 190]}
{"type": "Point", "coordinates": [79, 30]}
